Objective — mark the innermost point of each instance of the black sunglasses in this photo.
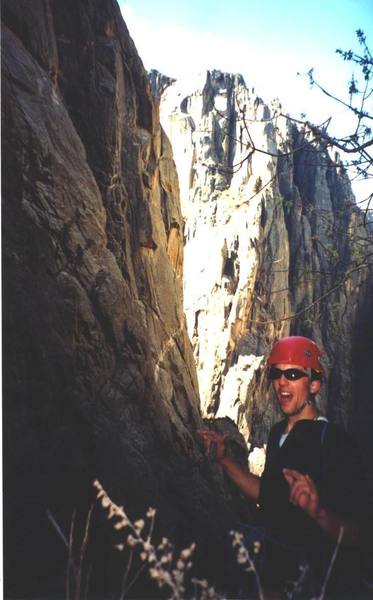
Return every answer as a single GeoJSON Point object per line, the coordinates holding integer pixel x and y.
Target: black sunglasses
{"type": "Point", "coordinates": [290, 374]}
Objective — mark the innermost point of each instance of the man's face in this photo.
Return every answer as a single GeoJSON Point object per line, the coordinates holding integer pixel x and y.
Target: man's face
{"type": "Point", "coordinates": [292, 395]}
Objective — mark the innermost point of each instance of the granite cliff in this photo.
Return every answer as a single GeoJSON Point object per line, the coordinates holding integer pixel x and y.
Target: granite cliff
{"type": "Point", "coordinates": [99, 372]}
{"type": "Point", "coordinates": [274, 244]}
{"type": "Point", "coordinates": [99, 375]}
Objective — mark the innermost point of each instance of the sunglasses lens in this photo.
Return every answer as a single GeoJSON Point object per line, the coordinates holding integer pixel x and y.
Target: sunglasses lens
{"type": "Point", "coordinates": [294, 374]}
{"type": "Point", "coordinates": [274, 373]}
{"type": "Point", "coordinates": [290, 374]}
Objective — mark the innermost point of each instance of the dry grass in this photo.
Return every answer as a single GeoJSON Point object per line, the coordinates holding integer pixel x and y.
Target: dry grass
{"type": "Point", "coordinates": [171, 572]}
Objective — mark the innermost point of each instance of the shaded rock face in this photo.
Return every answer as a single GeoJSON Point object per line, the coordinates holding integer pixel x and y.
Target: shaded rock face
{"type": "Point", "coordinates": [270, 237]}
{"type": "Point", "coordinates": [362, 352]}
{"type": "Point", "coordinates": [99, 376]}
{"type": "Point", "coordinates": [330, 265]}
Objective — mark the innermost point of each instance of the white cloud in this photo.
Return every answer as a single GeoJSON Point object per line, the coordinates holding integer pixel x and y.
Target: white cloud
{"type": "Point", "coordinates": [177, 52]}
{"type": "Point", "coordinates": [272, 71]}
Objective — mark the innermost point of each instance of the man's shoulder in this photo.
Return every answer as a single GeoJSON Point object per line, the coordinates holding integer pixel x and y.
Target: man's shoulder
{"type": "Point", "coordinates": [277, 429]}
{"type": "Point", "coordinates": [325, 431]}
{"type": "Point", "coordinates": [341, 439]}
{"type": "Point", "coordinates": [279, 426]}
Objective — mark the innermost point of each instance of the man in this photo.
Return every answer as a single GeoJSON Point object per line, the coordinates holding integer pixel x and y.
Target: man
{"type": "Point", "coordinates": [311, 491]}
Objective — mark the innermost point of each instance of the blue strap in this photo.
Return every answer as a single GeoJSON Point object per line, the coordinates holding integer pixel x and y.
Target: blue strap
{"type": "Point", "coordinates": [258, 533]}
{"type": "Point", "coordinates": [323, 432]}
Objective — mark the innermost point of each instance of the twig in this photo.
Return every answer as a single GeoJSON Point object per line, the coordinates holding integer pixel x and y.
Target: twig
{"type": "Point", "coordinates": [68, 543]}
{"type": "Point", "coordinates": [331, 564]}
{"type": "Point", "coordinates": [124, 589]}
{"type": "Point", "coordinates": [87, 582]}
{"type": "Point", "coordinates": [244, 558]}
{"type": "Point", "coordinates": [133, 580]}
{"type": "Point", "coordinates": [315, 302]}
{"type": "Point", "coordinates": [70, 560]}
{"type": "Point", "coordinates": [82, 551]}
{"type": "Point", "coordinates": [57, 528]}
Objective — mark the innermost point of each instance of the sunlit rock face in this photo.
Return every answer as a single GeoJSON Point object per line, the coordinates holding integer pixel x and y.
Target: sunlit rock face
{"type": "Point", "coordinates": [267, 238]}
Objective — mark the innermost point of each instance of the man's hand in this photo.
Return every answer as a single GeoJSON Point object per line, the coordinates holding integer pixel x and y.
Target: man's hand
{"type": "Point", "coordinates": [248, 483]}
{"type": "Point", "coordinates": [303, 492]}
{"type": "Point", "coordinates": [214, 442]}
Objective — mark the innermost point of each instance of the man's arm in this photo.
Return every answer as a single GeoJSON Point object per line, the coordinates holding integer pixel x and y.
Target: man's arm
{"type": "Point", "coordinates": [248, 483]}
{"type": "Point", "coordinates": [303, 493]}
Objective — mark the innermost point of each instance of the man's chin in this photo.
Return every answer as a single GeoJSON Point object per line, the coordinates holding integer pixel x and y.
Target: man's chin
{"type": "Point", "coordinates": [285, 407]}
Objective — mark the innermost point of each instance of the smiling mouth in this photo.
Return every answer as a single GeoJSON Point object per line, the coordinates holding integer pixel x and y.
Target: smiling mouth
{"type": "Point", "coordinates": [284, 397]}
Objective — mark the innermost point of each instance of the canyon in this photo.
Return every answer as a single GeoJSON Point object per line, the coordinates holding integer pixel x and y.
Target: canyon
{"type": "Point", "coordinates": [110, 366]}
{"type": "Point", "coordinates": [274, 245]}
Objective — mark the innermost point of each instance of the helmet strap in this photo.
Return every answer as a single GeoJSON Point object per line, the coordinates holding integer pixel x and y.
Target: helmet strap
{"type": "Point", "coordinates": [299, 410]}
{"type": "Point", "coordinates": [307, 402]}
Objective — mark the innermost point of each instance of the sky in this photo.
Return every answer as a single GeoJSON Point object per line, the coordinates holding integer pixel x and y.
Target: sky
{"type": "Point", "coordinates": [268, 41]}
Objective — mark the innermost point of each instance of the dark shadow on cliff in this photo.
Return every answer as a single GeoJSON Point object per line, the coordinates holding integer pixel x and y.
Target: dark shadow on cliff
{"type": "Point", "coordinates": [99, 376]}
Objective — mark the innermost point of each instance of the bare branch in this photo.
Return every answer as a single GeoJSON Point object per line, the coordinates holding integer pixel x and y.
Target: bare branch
{"type": "Point", "coordinates": [347, 276]}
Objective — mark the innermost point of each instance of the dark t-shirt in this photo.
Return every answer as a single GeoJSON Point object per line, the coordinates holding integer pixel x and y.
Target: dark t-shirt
{"type": "Point", "coordinates": [328, 455]}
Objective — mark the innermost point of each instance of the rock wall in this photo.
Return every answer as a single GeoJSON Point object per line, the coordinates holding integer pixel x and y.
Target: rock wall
{"type": "Point", "coordinates": [99, 376]}
{"type": "Point", "coordinates": [274, 244]}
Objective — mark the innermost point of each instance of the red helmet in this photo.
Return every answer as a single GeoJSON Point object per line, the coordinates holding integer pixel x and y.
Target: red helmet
{"type": "Point", "coordinates": [296, 350]}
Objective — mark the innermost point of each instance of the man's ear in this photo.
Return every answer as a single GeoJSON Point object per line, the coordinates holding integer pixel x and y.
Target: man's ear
{"type": "Point", "coordinates": [315, 386]}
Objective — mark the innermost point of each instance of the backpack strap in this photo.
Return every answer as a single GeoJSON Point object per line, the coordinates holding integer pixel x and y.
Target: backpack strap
{"type": "Point", "coordinates": [323, 431]}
